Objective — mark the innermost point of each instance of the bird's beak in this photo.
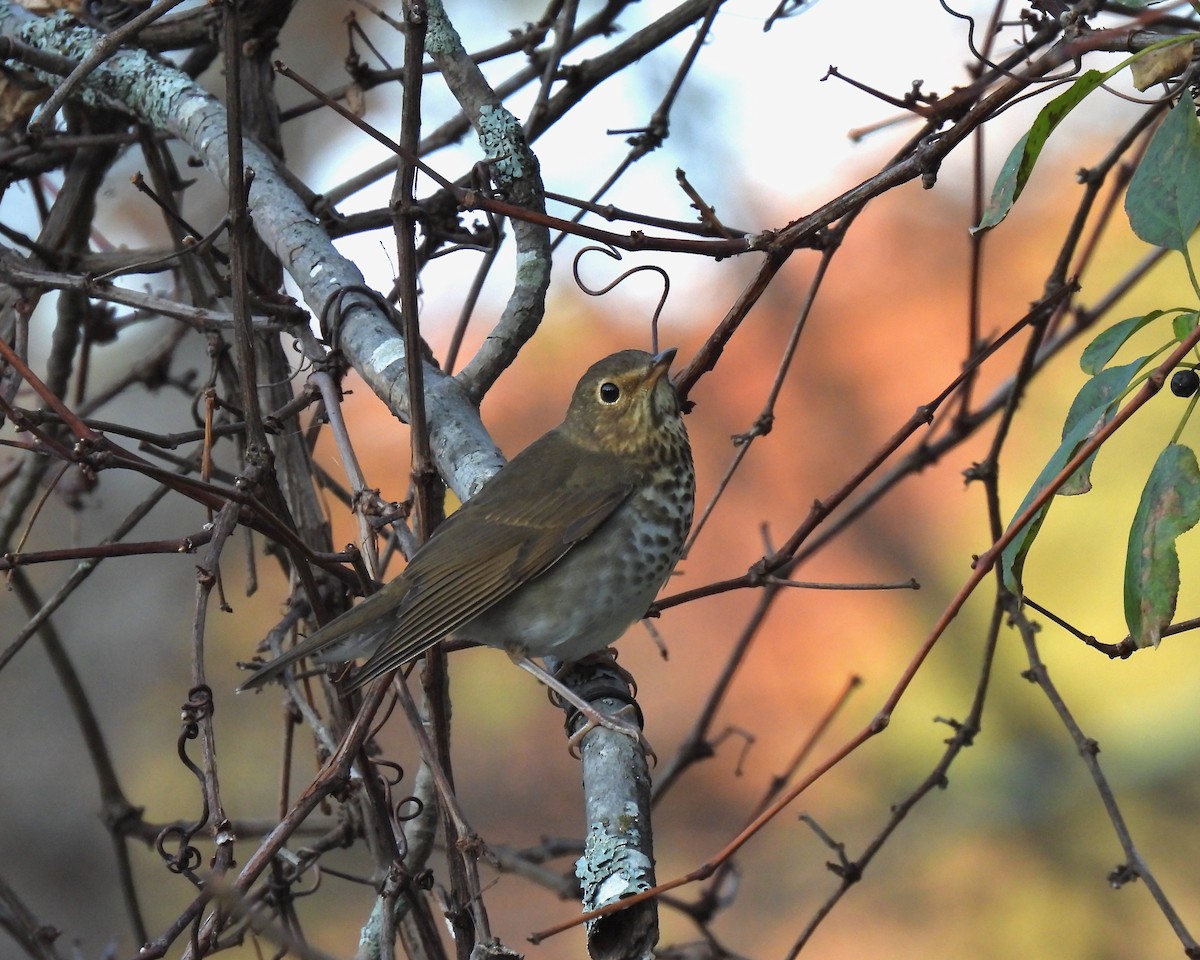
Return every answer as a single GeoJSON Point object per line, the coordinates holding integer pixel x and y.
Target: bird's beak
{"type": "Point", "coordinates": [662, 363]}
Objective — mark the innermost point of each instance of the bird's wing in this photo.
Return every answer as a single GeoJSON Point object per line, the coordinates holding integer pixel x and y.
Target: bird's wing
{"type": "Point", "coordinates": [487, 549]}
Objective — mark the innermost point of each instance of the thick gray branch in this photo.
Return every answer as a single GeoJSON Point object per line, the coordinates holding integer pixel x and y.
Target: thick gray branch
{"type": "Point", "coordinates": [514, 167]}
{"type": "Point", "coordinates": [168, 100]}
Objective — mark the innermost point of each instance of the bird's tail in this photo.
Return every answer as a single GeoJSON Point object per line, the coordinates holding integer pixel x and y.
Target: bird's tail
{"type": "Point", "coordinates": [332, 643]}
{"type": "Point", "coordinates": [356, 633]}
{"type": "Point", "coordinates": [275, 668]}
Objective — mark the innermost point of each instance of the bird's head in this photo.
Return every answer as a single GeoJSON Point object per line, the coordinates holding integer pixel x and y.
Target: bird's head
{"type": "Point", "coordinates": [626, 404]}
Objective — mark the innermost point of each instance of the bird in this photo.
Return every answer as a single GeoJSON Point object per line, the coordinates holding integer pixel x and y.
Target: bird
{"type": "Point", "coordinates": [556, 556]}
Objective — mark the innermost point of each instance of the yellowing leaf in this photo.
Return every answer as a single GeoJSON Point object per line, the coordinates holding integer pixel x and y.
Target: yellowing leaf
{"type": "Point", "coordinates": [1170, 506]}
{"type": "Point", "coordinates": [1155, 66]}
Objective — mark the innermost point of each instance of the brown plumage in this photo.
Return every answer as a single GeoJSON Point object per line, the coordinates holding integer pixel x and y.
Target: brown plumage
{"type": "Point", "coordinates": [558, 553]}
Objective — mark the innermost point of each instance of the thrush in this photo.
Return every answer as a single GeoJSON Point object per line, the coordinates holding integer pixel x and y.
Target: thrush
{"type": "Point", "coordinates": [558, 554]}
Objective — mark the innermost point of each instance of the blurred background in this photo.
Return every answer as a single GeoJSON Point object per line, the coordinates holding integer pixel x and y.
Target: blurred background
{"type": "Point", "coordinates": [1012, 857]}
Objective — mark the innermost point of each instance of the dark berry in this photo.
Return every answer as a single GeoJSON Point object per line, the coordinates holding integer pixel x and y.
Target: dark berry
{"type": "Point", "coordinates": [1185, 383]}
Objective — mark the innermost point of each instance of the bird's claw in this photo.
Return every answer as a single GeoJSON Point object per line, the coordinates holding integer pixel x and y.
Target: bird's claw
{"type": "Point", "coordinates": [611, 721]}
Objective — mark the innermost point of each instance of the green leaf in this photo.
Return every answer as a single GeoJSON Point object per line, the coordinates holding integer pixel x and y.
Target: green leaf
{"type": "Point", "coordinates": [1170, 506]}
{"type": "Point", "coordinates": [1094, 406]}
{"type": "Point", "coordinates": [1021, 161]}
{"type": "Point", "coordinates": [1163, 198]}
{"type": "Point", "coordinates": [1012, 560]}
{"type": "Point", "coordinates": [1105, 346]}
{"type": "Point", "coordinates": [1183, 325]}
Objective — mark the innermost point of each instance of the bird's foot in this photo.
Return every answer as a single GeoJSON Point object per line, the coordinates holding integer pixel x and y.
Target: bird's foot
{"type": "Point", "coordinates": [593, 716]}
{"type": "Point", "coordinates": [610, 721]}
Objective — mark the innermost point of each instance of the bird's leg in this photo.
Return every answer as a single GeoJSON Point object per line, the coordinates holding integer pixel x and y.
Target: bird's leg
{"type": "Point", "coordinates": [594, 717]}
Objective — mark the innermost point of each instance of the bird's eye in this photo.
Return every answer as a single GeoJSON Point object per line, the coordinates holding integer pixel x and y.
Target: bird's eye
{"type": "Point", "coordinates": [609, 392]}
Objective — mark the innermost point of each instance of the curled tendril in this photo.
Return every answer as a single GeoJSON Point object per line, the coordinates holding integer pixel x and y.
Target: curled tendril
{"type": "Point", "coordinates": [382, 769]}
{"type": "Point", "coordinates": [600, 291]}
{"type": "Point", "coordinates": [198, 707]}
{"type": "Point", "coordinates": [404, 811]}
{"type": "Point", "coordinates": [331, 332]}
{"type": "Point", "coordinates": [186, 858]}
{"type": "Point", "coordinates": [991, 65]}
{"type": "Point", "coordinates": [415, 808]}
{"type": "Point", "coordinates": [395, 768]}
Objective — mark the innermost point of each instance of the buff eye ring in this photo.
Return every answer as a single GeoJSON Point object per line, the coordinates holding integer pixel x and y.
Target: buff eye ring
{"type": "Point", "coordinates": [609, 392]}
